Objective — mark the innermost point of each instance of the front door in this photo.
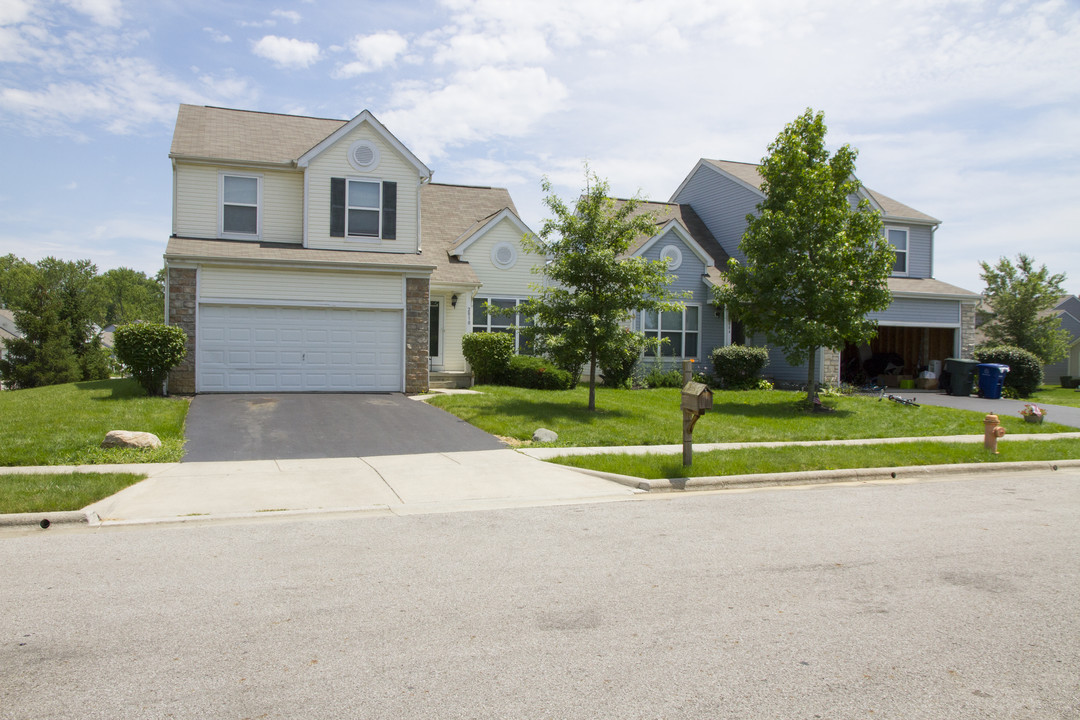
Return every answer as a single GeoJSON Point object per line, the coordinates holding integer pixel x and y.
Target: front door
{"type": "Point", "coordinates": [435, 334]}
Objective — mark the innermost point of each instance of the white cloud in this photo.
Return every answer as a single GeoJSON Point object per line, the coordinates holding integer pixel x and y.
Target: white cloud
{"type": "Point", "coordinates": [287, 52]}
{"type": "Point", "coordinates": [372, 52]}
{"type": "Point", "coordinates": [474, 105]}
{"type": "Point", "coordinates": [290, 15]}
{"type": "Point", "coordinates": [216, 35]}
{"type": "Point", "coordinates": [14, 11]}
{"type": "Point", "coordinates": [102, 12]}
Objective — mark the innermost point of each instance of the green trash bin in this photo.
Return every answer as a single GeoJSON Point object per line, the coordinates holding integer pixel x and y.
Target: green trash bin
{"type": "Point", "coordinates": [962, 375]}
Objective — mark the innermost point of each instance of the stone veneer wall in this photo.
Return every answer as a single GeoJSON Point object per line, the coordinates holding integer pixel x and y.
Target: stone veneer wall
{"type": "Point", "coordinates": [417, 334]}
{"type": "Point", "coordinates": [830, 367]}
{"type": "Point", "coordinates": [967, 330]}
{"type": "Point", "coordinates": [183, 286]}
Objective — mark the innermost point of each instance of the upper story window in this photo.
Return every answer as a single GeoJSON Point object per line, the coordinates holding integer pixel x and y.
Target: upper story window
{"type": "Point", "coordinates": [363, 209]}
{"type": "Point", "coordinates": [898, 238]}
{"type": "Point", "coordinates": [681, 329]}
{"type": "Point", "coordinates": [240, 195]}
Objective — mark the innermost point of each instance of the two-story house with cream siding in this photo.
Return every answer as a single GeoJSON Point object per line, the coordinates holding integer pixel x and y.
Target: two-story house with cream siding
{"type": "Point", "coordinates": [928, 319]}
{"type": "Point", "coordinates": [313, 255]}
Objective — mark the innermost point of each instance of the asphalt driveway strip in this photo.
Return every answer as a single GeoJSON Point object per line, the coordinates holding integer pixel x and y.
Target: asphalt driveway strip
{"type": "Point", "coordinates": [273, 426]}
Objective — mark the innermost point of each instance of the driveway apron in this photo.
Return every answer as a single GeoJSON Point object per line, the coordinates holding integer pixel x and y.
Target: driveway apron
{"type": "Point", "coordinates": [1061, 414]}
{"type": "Point", "coordinates": [322, 425]}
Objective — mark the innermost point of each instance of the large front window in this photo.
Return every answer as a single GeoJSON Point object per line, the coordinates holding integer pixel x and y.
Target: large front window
{"type": "Point", "coordinates": [240, 205]}
{"type": "Point", "coordinates": [678, 331]}
{"type": "Point", "coordinates": [503, 318]}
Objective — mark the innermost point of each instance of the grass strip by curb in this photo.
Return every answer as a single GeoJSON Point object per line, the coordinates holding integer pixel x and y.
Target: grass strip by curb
{"type": "Point", "coordinates": [749, 461]}
{"type": "Point", "coordinates": [56, 492]}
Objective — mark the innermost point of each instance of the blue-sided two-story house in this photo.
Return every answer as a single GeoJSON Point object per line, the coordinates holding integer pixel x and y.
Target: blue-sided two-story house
{"type": "Point", "coordinates": [700, 228]}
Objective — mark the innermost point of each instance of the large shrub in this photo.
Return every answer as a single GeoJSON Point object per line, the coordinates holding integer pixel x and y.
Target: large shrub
{"type": "Point", "coordinates": [149, 351]}
{"type": "Point", "coordinates": [618, 358]}
{"type": "Point", "coordinates": [489, 355]}
{"type": "Point", "coordinates": [738, 367]}
{"type": "Point", "coordinates": [1025, 369]}
{"type": "Point", "coordinates": [532, 372]}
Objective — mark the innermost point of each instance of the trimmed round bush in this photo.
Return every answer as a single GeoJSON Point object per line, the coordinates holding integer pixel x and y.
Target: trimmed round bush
{"type": "Point", "coordinates": [533, 372]}
{"type": "Point", "coordinates": [1025, 369]}
{"type": "Point", "coordinates": [739, 367]}
{"type": "Point", "coordinates": [149, 351]}
{"type": "Point", "coordinates": [488, 355]}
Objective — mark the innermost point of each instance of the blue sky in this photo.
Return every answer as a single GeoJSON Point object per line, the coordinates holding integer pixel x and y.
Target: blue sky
{"type": "Point", "coordinates": [966, 110]}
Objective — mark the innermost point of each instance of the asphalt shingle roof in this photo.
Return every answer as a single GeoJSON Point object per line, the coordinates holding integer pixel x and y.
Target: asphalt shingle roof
{"type": "Point", "coordinates": [246, 135]}
{"type": "Point", "coordinates": [685, 216]}
{"type": "Point", "coordinates": [892, 209]}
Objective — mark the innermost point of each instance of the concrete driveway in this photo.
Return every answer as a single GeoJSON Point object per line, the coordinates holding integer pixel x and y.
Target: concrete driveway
{"type": "Point", "coordinates": [322, 425]}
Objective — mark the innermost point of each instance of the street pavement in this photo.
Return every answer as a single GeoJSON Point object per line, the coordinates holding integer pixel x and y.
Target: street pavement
{"type": "Point", "coordinates": [958, 598]}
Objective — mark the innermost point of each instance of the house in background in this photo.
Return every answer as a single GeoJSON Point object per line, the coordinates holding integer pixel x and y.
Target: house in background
{"type": "Point", "coordinates": [1068, 312]}
{"type": "Point", "coordinates": [928, 319]}
{"type": "Point", "coordinates": [311, 255]}
{"type": "Point", "coordinates": [8, 329]}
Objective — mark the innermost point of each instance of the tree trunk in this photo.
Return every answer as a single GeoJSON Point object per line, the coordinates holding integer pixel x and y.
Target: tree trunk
{"type": "Point", "coordinates": [592, 380]}
{"type": "Point", "coordinates": [811, 376]}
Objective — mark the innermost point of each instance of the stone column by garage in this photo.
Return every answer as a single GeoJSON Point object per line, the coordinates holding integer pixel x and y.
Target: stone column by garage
{"type": "Point", "coordinates": [417, 318]}
{"type": "Point", "coordinates": [183, 286]}
{"type": "Point", "coordinates": [967, 329]}
{"type": "Point", "coordinates": [830, 366]}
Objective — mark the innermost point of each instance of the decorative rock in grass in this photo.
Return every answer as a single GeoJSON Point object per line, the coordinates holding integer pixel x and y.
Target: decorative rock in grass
{"type": "Point", "coordinates": [127, 438]}
{"type": "Point", "coordinates": [544, 435]}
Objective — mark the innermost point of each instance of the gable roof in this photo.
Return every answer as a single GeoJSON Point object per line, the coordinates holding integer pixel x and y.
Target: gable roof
{"type": "Point", "coordinates": [449, 216]}
{"type": "Point", "coordinates": [365, 118]}
{"type": "Point", "coordinates": [214, 133]}
{"type": "Point", "coordinates": [748, 174]}
{"type": "Point", "coordinates": [688, 220]}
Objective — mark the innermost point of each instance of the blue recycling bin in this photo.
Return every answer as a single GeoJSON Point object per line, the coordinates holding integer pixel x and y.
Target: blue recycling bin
{"type": "Point", "coordinates": [992, 379]}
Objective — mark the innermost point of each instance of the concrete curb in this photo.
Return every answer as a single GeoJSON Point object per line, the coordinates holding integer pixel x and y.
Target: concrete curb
{"type": "Point", "coordinates": [45, 520]}
{"type": "Point", "coordinates": [818, 477]}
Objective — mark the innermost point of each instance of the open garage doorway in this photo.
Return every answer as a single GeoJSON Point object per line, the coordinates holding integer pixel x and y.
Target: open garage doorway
{"type": "Point", "coordinates": [911, 349]}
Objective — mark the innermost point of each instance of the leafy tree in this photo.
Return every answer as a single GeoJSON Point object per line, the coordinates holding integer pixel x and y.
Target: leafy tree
{"type": "Point", "coordinates": [594, 287]}
{"type": "Point", "coordinates": [130, 296]}
{"type": "Point", "coordinates": [1018, 296]}
{"type": "Point", "coordinates": [815, 265]}
{"type": "Point", "coordinates": [57, 305]}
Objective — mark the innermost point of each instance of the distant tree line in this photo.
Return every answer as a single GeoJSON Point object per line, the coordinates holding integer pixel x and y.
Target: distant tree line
{"type": "Point", "coordinates": [61, 308]}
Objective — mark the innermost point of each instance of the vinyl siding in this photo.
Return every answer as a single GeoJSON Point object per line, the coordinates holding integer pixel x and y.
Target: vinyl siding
{"type": "Point", "coordinates": [920, 249]}
{"type": "Point", "coordinates": [919, 311]}
{"type": "Point", "coordinates": [722, 204]}
{"type": "Point", "coordinates": [334, 162]}
{"type": "Point", "coordinates": [237, 283]}
{"type": "Point", "coordinates": [198, 202]}
{"type": "Point", "coordinates": [779, 368]}
{"type": "Point", "coordinates": [514, 281]}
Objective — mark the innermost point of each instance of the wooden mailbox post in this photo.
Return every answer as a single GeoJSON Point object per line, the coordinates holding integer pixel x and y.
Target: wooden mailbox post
{"type": "Point", "coordinates": [696, 399]}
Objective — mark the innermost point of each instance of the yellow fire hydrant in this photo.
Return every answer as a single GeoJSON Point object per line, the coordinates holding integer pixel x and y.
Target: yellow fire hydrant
{"type": "Point", "coordinates": [992, 431]}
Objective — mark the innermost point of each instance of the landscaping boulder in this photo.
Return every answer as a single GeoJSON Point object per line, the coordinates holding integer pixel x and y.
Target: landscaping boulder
{"type": "Point", "coordinates": [128, 438]}
{"type": "Point", "coordinates": [544, 435]}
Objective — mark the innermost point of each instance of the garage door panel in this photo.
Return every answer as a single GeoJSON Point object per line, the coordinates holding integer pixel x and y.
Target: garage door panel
{"type": "Point", "coordinates": [264, 349]}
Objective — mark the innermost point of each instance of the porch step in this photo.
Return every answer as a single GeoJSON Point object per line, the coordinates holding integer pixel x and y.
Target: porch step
{"type": "Point", "coordinates": [449, 380]}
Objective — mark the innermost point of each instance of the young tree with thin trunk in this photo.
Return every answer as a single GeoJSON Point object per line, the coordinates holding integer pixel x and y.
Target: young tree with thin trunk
{"type": "Point", "coordinates": [1019, 296]}
{"type": "Point", "coordinates": [593, 288]}
{"type": "Point", "coordinates": [815, 263]}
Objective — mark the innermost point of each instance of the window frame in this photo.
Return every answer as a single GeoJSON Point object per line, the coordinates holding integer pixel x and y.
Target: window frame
{"type": "Point", "coordinates": [513, 328]}
{"type": "Point", "coordinates": [257, 235]}
{"type": "Point", "coordinates": [659, 333]}
{"type": "Point", "coordinates": [377, 208]}
{"type": "Point", "coordinates": [906, 252]}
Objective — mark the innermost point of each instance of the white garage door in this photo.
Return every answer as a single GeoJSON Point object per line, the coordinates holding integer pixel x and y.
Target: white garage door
{"type": "Point", "coordinates": [278, 349]}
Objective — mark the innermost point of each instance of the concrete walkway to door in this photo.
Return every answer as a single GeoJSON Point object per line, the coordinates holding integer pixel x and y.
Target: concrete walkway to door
{"type": "Point", "coordinates": [277, 426]}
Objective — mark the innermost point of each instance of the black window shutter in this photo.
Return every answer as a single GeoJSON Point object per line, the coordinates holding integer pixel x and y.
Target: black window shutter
{"type": "Point", "coordinates": [337, 207]}
{"type": "Point", "coordinates": [389, 210]}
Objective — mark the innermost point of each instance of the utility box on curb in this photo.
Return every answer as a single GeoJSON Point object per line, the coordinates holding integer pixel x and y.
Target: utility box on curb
{"type": "Point", "coordinates": [696, 397]}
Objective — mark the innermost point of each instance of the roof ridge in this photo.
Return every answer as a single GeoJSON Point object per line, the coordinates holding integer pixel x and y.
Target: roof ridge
{"type": "Point", "coordinates": [267, 112]}
{"type": "Point", "coordinates": [472, 187]}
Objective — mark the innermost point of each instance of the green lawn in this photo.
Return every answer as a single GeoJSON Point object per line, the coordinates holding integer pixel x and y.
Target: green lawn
{"type": "Point", "coordinates": [1055, 395]}
{"type": "Point", "coordinates": [653, 417]}
{"type": "Point", "coordinates": [24, 493]}
{"type": "Point", "coordinates": [65, 424]}
{"type": "Point", "coordinates": [795, 459]}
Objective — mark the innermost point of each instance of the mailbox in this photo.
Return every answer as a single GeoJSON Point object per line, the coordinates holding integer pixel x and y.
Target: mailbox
{"type": "Point", "coordinates": [696, 397]}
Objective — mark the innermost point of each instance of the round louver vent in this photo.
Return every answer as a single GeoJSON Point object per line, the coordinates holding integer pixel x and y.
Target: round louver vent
{"type": "Point", "coordinates": [503, 255]}
{"type": "Point", "coordinates": [363, 155]}
{"type": "Point", "coordinates": [673, 256]}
